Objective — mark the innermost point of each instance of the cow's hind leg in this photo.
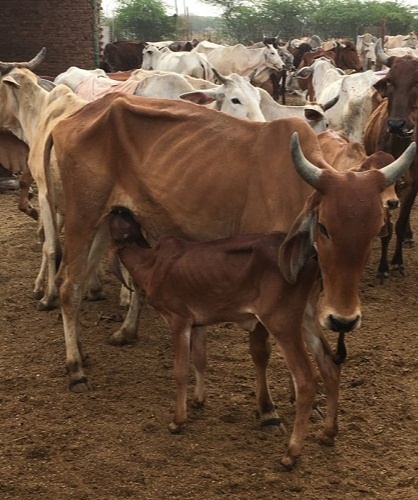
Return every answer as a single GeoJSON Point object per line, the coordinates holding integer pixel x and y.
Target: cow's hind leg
{"type": "Point", "coordinates": [82, 249]}
{"type": "Point", "coordinates": [51, 255]}
{"type": "Point", "coordinates": [24, 204]}
{"type": "Point", "coordinates": [260, 350]}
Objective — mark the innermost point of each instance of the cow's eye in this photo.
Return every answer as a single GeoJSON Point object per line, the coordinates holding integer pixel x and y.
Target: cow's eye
{"type": "Point", "coordinates": [323, 229]}
{"type": "Point", "coordinates": [235, 100]}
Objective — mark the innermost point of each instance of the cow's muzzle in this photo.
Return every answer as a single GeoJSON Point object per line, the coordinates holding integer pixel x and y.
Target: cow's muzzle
{"type": "Point", "coordinates": [398, 127]}
{"type": "Point", "coordinates": [342, 324]}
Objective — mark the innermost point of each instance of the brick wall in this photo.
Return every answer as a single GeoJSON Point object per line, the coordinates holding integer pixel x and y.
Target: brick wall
{"type": "Point", "coordinates": [69, 29]}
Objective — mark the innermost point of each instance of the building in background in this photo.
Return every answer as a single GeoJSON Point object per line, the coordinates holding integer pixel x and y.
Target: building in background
{"type": "Point", "coordinates": [69, 29]}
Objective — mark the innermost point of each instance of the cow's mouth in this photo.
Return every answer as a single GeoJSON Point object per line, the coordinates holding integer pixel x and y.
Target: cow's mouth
{"type": "Point", "coordinates": [403, 133]}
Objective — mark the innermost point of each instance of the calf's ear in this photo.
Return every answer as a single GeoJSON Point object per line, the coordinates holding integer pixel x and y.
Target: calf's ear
{"type": "Point", "coordinates": [298, 246]}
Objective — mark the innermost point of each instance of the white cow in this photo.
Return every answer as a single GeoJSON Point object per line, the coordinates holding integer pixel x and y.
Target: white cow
{"type": "Point", "coordinates": [365, 45]}
{"type": "Point", "coordinates": [355, 91]}
{"type": "Point", "coordinates": [91, 84]}
{"type": "Point", "coordinates": [381, 55]}
{"type": "Point", "coordinates": [185, 63]}
{"type": "Point", "coordinates": [240, 59]}
{"type": "Point", "coordinates": [235, 96]}
{"type": "Point", "coordinates": [30, 109]}
{"type": "Point", "coordinates": [410, 40]}
{"type": "Point", "coordinates": [312, 112]}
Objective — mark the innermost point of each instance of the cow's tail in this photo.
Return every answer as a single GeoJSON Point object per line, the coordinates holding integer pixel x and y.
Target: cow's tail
{"type": "Point", "coordinates": [50, 214]}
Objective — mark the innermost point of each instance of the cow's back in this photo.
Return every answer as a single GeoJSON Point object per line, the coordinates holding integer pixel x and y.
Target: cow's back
{"type": "Point", "coordinates": [184, 169]}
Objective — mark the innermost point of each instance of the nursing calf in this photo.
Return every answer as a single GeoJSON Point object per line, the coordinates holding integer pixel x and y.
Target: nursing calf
{"type": "Point", "coordinates": [195, 284]}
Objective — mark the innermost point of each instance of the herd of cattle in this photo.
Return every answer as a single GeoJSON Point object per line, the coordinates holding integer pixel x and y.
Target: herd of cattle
{"type": "Point", "coordinates": [231, 207]}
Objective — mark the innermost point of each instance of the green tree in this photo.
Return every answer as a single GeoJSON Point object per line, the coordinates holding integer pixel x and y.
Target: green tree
{"type": "Point", "coordinates": [348, 18]}
{"type": "Point", "coordinates": [143, 20]}
{"type": "Point", "coordinates": [243, 20]}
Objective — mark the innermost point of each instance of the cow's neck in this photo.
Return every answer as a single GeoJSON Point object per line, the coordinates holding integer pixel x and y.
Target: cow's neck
{"type": "Point", "coordinates": [32, 100]}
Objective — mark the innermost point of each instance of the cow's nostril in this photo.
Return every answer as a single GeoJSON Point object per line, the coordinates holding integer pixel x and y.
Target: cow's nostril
{"type": "Point", "coordinates": [342, 325]}
{"type": "Point", "coordinates": [396, 124]}
{"type": "Point", "coordinates": [393, 204]}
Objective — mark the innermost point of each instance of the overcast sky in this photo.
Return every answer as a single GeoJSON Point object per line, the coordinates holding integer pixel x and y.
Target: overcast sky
{"type": "Point", "coordinates": [194, 6]}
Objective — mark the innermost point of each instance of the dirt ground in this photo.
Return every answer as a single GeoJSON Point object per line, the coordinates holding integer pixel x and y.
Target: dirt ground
{"type": "Point", "coordinates": [113, 443]}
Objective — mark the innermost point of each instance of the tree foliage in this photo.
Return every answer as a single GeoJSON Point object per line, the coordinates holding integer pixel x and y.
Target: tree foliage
{"type": "Point", "coordinates": [326, 18]}
{"type": "Point", "coordinates": [143, 20]}
{"type": "Point", "coordinates": [244, 20]}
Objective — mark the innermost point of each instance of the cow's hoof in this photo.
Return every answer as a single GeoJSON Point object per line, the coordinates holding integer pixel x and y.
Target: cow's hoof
{"type": "Point", "coordinates": [95, 295]}
{"type": "Point", "coordinates": [327, 440]}
{"type": "Point", "coordinates": [273, 426]}
{"type": "Point", "coordinates": [408, 243]}
{"type": "Point", "coordinates": [46, 305]}
{"type": "Point", "coordinates": [38, 294]}
{"type": "Point", "coordinates": [288, 462]}
{"type": "Point", "coordinates": [121, 337]}
{"type": "Point", "coordinates": [197, 404]}
{"type": "Point", "coordinates": [80, 385]}
{"type": "Point", "coordinates": [174, 428]}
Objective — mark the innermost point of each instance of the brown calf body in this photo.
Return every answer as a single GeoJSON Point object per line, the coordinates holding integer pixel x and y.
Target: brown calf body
{"type": "Point", "coordinates": [194, 284]}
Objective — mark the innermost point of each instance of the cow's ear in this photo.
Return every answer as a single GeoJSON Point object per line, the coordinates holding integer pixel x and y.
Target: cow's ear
{"type": "Point", "coordinates": [200, 96]}
{"type": "Point", "coordinates": [298, 246]}
{"type": "Point", "coordinates": [381, 86]}
{"type": "Point", "coordinates": [11, 81]}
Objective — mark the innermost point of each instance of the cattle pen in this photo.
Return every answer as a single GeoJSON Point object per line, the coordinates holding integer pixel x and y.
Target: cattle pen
{"type": "Point", "coordinates": [113, 442]}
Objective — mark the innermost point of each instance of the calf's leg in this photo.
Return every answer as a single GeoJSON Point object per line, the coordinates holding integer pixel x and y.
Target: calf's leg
{"type": "Point", "coordinates": [181, 337]}
{"type": "Point", "coordinates": [199, 360]}
{"type": "Point", "coordinates": [304, 380]}
{"type": "Point", "coordinates": [260, 350]}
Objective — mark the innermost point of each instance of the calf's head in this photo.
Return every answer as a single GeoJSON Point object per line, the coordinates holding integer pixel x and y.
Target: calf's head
{"type": "Point", "coordinates": [125, 231]}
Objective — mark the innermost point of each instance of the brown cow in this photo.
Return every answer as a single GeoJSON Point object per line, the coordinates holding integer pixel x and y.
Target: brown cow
{"type": "Point", "coordinates": [125, 151]}
{"type": "Point", "coordinates": [194, 284]}
{"type": "Point", "coordinates": [183, 45]}
{"type": "Point", "coordinates": [14, 155]}
{"type": "Point", "coordinates": [122, 56]}
{"type": "Point", "coordinates": [343, 55]}
{"type": "Point", "coordinates": [392, 127]}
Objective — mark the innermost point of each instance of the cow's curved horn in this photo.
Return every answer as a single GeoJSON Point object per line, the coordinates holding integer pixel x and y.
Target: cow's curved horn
{"type": "Point", "coordinates": [36, 61]}
{"type": "Point", "coordinates": [307, 170]}
{"type": "Point", "coordinates": [393, 171]}
{"type": "Point", "coordinates": [221, 78]}
{"type": "Point", "coordinates": [302, 72]}
{"type": "Point", "coordinates": [329, 104]}
{"type": "Point", "coordinates": [382, 57]}
{"type": "Point", "coordinates": [32, 64]}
